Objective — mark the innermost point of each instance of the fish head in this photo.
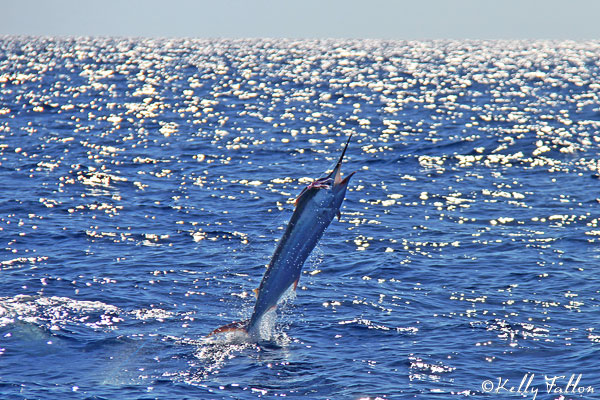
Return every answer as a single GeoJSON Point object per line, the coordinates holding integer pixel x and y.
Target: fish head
{"type": "Point", "coordinates": [331, 186]}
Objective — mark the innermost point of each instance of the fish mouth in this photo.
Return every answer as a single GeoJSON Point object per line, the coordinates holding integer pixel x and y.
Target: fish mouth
{"type": "Point", "coordinates": [336, 173]}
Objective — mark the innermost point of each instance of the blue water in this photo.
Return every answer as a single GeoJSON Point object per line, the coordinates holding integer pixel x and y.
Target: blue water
{"type": "Point", "coordinates": [145, 184]}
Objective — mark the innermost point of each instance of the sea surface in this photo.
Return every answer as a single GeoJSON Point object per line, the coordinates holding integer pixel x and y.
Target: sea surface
{"type": "Point", "coordinates": [144, 184]}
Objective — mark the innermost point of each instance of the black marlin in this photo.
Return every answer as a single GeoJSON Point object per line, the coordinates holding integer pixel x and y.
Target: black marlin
{"type": "Point", "coordinates": [316, 206]}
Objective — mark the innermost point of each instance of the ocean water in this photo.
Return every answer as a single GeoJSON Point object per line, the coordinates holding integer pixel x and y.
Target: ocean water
{"type": "Point", "coordinates": [145, 183]}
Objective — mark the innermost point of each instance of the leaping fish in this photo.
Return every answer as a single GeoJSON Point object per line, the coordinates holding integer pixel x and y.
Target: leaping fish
{"type": "Point", "coordinates": [316, 206]}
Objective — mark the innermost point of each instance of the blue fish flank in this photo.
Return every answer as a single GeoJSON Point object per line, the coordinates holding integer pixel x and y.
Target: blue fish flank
{"type": "Point", "coordinates": [316, 206]}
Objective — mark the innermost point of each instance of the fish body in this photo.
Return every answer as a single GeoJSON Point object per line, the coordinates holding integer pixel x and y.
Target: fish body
{"type": "Point", "coordinates": [316, 207]}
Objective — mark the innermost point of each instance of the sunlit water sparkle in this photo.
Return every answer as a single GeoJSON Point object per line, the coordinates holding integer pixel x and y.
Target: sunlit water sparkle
{"type": "Point", "coordinates": [145, 183]}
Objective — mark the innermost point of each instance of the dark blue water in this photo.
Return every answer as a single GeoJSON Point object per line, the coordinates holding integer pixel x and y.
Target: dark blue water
{"type": "Point", "coordinates": [145, 184]}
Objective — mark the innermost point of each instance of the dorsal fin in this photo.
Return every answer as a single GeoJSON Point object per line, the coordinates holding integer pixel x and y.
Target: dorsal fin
{"type": "Point", "coordinates": [302, 193]}
{"type": "Point", "coordinates": [321, 183]}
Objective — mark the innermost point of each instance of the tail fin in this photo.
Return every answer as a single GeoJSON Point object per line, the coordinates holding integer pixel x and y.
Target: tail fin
{"type": "Point", "coordinates": [234, 326]}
